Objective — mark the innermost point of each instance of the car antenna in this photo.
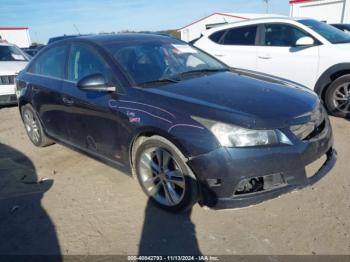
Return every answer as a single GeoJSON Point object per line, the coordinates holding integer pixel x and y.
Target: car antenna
{"type": "Point", "coordinates": [76, 28]}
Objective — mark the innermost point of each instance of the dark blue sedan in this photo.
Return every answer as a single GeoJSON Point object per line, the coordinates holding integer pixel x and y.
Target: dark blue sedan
{"type": "Point", "coordinates": [187, 126]}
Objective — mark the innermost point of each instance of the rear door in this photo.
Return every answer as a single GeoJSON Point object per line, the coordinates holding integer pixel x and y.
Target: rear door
{"type": "Point", "coordinates": [44, 78]}
{"type": "Point", "coordinates": [278, 55]}
{"type": "Point", "coordinates": [237, 47]}
{"type": "Point", "coordinates": [91, 123]}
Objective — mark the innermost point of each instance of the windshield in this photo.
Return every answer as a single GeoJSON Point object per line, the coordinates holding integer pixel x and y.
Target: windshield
{"type": "Point", "coordinates": [162, 60]}
{"type": "Point", "coordinates": [332, 34]}
{"type": "Point", "coordinates": [11, 53]}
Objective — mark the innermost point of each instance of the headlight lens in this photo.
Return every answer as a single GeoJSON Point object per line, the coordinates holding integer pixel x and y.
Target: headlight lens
{"type": "Point", "coordinates": [235, 136]}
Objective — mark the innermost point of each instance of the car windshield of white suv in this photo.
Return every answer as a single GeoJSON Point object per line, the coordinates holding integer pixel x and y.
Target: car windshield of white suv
{"type": "Point", "coordinates": [11, 53]}
{"type": "Point", "coordinates": [162, 62]}
{"type": "Point", "coordinates": [332, 34]}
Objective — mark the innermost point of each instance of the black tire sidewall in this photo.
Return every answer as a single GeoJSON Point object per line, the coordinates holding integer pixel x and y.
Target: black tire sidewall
{"type": "Point", "coordinates": [329, 96]}
{"type": "Point", "coordinates": [191, 185]}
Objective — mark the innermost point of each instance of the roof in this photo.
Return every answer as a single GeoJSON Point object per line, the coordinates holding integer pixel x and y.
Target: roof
{"type": "Point", "coordinates": [121, 37]}
{"type": "Point", "coordinates": [14, 28]}
{"type": "Point", "coordinates": [243, 16]}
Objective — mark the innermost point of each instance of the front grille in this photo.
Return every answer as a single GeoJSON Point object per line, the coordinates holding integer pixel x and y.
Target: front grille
{"type": "Point", "coordinates": [7, 80]}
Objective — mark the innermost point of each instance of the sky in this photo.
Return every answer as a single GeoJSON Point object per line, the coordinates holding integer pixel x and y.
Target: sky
{"type": "Point", "coordinates": [48, 18]}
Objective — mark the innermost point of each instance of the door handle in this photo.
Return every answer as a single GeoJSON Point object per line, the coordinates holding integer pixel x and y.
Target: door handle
{"type": "Point", "coordinates": [218, 55]}
{"type": "Point", "coordinates": [265, 56]}
{"type": "Point", "coordinates": [67, 101]}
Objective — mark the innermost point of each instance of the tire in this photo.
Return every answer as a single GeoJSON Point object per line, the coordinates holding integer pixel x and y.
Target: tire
{"type": "Point", "coordinates": [33, 127]}
{"type": "Point", "coordinates": [164, 176]}
{"type": "Point", "coordinates": [337, 97]}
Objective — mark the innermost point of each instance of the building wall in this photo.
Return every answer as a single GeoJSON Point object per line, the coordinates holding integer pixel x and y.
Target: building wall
{"type": "Point", "coordinates": [194, 31]}
{"type": "Point", "coordinates": [19, 37]}
{"type": "Point", "coordinates": [330, 11]}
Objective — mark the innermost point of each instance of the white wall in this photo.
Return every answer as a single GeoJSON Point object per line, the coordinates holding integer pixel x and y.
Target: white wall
{"type": "Point", "coordinates": [19, 37]}
{"type": "Point", "coordinates": [194, 31]}
{"type": "Point", "coordinates": [331, 11]}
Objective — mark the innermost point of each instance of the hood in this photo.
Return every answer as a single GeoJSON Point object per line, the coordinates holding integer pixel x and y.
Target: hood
{"type": "Point", "coordinates": [246, 99]}
{"type": "Point", "coordinates": [11, 67]}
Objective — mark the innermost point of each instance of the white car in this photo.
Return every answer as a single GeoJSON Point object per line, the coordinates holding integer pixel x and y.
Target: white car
{"type": "Point", "coordinates": [12, 60]}
{"type": "Point", "coordinates": [304, 50]}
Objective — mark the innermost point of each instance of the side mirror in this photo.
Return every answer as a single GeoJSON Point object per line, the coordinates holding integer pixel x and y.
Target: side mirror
{"type": "Point", "coordinates": [95, 82]}
{"type": "Point", "coordinates": [305, 41]}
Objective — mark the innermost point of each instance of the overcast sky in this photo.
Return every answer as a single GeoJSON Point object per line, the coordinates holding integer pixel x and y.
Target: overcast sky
{"type": "Point", "coordinates": [47, 18]}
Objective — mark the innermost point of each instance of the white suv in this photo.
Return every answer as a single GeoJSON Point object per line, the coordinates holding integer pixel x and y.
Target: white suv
{"type": "Point", "coordinates": [12, 60]}
{"type": "Point", "coordinates": [304, 50]}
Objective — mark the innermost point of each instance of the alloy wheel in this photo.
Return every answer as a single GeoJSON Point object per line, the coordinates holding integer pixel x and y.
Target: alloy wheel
{"type": "Point", "coordinates": [341, 98]}
{"type": "Point", "coordinates": [161, 176]}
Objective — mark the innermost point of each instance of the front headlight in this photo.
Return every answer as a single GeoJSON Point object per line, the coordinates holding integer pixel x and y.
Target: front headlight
{"type": "Point", "coordinates": [235, 136]}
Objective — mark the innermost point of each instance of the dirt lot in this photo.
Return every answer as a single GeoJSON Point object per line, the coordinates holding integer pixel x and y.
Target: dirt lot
{"type": "Point", "coordinates": [85, 207]}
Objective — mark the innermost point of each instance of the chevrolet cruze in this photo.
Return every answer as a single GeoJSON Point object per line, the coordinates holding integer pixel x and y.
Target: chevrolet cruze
{"type": "Point", "coordinates": [187, 126]}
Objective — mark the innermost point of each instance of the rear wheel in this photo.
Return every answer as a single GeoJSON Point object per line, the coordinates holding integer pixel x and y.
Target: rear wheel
{"type": "Point", "coordinates": [33, 127]}
{"type": "Point", "coordinates": [164, 176]}
{"type": "Point", "coordinates": [337, 97]}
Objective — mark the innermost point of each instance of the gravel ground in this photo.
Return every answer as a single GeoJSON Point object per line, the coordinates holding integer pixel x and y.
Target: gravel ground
{"type": "Point", "coordinates": [56, 201]}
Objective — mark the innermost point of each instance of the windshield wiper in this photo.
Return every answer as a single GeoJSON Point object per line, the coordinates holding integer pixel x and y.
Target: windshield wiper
{"type": "Point", "coordinates": [206, 70]}
{"type": "Point", "coordinates": [158, 82]}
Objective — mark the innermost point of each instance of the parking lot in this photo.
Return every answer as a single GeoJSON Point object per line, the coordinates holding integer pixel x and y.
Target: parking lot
{"type": "Point", "coordinates": [55, 200]}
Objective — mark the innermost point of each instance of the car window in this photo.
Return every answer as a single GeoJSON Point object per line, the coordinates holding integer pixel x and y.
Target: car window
{"type": "Point", "coordinates": [215, 37]}
{"type": "Point", "coordinates": [281, 35]}
{"type": "Point", "coordinates": [148, 60]}
{"type": "Point", "coordinates": [332, 34]}
{"type": "Point", "coordinates": [240, 36]}
{"type": "Point", "coordinates": [83, 61]}
{"type": "Point", "coordinates": [50, 63]}
{"type": "Point", "coordinates": [11, 53]}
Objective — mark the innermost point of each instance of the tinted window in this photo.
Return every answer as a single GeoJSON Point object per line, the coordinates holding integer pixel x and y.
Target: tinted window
{"type": "Point", "coordinates": [83, 61]}
{"type": "Point", "coordinates": [215, 37]}
{"type": "Point", "coordinates": [282, 35]}
{"type": "Point", "coordinates": [241, 36]}
{"type": "Point", "coordinates": [332, 34]}
{"type": "Point", "coordinates": [50, 63]}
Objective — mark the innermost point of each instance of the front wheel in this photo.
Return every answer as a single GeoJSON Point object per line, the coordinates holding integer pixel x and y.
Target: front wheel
{"type": "Point", "coordinates": [164, 176]}
{"type": "Point", "coordinates": [337, 97]}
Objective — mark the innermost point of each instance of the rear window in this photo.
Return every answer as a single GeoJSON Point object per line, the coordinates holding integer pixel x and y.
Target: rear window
{"type": "Point", "coordinates": [215, 37]}
{"type": "Point", "coordinates": [240, 36]}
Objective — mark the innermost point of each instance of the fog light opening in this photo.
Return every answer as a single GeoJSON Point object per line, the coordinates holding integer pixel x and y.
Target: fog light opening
{"type": "Point", "coordinates": [258, 184]}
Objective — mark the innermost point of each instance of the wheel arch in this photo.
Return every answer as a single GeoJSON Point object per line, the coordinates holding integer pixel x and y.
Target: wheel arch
{"type": "Point", "coordinates": [329, 76]}
{"type": "Point", "coordinates": [146, 132]}
{"type": "Point", "coordinates": [21, 102]}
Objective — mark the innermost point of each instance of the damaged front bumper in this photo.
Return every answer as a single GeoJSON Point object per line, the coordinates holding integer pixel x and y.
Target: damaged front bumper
{"type": "Point", "coordinates": [240, 177]}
